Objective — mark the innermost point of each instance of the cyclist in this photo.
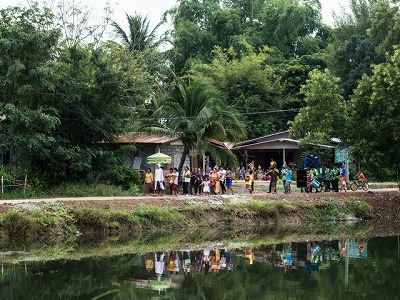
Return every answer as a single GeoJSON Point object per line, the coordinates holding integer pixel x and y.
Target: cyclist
{"type": "Point", "coordinates": [360, 176]}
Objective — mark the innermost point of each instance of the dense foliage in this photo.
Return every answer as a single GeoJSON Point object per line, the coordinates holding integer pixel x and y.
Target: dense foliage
{"type": "Point", "coordinates": [273, 64]}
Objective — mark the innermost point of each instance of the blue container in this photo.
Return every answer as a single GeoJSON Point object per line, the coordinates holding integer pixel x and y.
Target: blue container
{"type": "Point", "coordinates": [315, 183]}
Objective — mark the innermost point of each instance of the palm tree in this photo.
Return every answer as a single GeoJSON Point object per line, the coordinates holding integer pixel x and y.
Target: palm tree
{"type": "Point", "coordinates": [198, 115]}
{"type": "Point", "coordinates": [139, 37]}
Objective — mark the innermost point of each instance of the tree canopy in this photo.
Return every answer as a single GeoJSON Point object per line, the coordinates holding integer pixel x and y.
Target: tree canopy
{"type": "Point", "coordinates": [198, 116]}
{"type": "Point", "coordinates": [270, 64]}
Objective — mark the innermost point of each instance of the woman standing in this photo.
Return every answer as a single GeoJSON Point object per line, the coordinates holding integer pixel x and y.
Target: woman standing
{"type": "Point", "coordinates": [214, 180]}
{"type": "Point", "coordinates": [148, 181]}
{"type": "Point", "coordinates": [199, 179]}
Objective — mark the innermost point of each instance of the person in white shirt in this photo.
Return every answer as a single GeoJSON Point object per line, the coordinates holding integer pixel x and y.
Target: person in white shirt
{"type": "Point", "coordinates": [158, 180]}
{"type": "Point", "coordinates": [186, 180]}
{"type": "Point", "coordinates": [222, 174]}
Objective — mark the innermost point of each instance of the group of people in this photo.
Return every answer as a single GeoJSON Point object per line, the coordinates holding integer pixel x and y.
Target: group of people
{"type": "Point", "coordinates": [273, 173]}
{"type": "Point", "coordinates": [187, 262]}
{"type": "Point", "coordinates": [219, 179]}
{"type": "Point", "coordinates": [330, 176]}
{"type": "Point", "coordinates": [216, 181]}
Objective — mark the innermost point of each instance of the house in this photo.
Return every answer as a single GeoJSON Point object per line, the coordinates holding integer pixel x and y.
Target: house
{"type": "Point", "coordinates": [148, 144]}
{"type": "Point", "coordinates": [277, 146]}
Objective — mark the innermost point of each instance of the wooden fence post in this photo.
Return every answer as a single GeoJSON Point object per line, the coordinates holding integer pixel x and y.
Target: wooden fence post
{"type": "Point", "coordinates": [25, 182]}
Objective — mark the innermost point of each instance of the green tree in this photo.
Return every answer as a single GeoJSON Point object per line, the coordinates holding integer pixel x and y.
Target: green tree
{"type": "Point", "coordinates": [354, 47]}
{"type": "Point", "coordinates": [373, 130]}
{"type": "Point", "coordinates": [249, 83]}
{"type": "Point", "coordinates": [27, 59]}
{"type": "Point", "coordinates": [197, 115]}
{"type": "Point", "coordinates": [323, 117]}
{"type": "Point", "coordinates": [60, 105]}
{"type": "Point", "coordinates": [292, 27]}
{"type": "Point", "coordinates": [139, 37]}
{"type": "Point", "coordinates": [385, 26]}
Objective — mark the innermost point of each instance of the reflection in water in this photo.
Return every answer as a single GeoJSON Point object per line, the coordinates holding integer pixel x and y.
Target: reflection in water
{"type": "Point", "coordinates": [311, 269]}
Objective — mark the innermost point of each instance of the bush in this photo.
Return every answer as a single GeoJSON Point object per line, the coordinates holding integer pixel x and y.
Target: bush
{"type": "Point", "coordinates": [123, 176]}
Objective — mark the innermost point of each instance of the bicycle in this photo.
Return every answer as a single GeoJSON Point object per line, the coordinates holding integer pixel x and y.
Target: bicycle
{"type": "Point", "coordinates": [357, 185]}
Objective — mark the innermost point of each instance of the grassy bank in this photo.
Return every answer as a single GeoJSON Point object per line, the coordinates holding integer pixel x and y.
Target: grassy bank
{"type": "Point", "coordinates": [68, 218]}
{"type": "Point", "coordinates": [78, 247]}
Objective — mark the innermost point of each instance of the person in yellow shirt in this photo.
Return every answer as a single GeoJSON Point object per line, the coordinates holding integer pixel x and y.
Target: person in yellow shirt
{"type": "Point", "coordinates": [248, 178]}
{"type": "Point", "coordinates": [171, 177]}
{"type": "Point", "coordinates": [148, 181]}
{"type": "Point", "coordinates": [214, 181]}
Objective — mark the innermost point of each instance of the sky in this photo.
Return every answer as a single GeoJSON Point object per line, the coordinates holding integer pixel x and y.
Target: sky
{"type": "Point", "coordinates": [153, 9]}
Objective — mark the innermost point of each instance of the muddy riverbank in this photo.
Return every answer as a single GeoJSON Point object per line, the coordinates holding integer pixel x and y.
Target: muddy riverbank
{"type": "Point", "coordinates": [63, 217]}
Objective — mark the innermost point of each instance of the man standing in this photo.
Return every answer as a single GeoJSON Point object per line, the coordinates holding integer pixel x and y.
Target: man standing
{"type": "Point", "coordinates": [274, 177]}
{"type": "Point", "coordinates": [251, 171]}
{"type": "Point", "coordinates": [288, 176]}
{"type": "Point", "coordinates": [343, 170]}
{"type": "Point", "coordinates": [158, 181]}
{"type": "Point", "coordinates": [186, 180]}
{"type": "Point", "coordinates": [222, 174]}
{"type": "Point", "coordinates": [335, 178]}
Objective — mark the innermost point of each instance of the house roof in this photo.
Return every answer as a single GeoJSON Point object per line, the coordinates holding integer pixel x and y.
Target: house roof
{"type": "Point", "coordinates": [279, 140]}
{"type": "Point", "coordinates": [145, 138]}
{"type": "Point", "coordinates": [228, 146]}
{"type": "Point", "coordinates": [270, 137]}
{"type": "Point", "coordinates": [270, 144]}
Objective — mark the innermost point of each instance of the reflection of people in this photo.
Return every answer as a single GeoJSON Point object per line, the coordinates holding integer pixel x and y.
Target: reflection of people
{"type": "Point", "coordinates": [249, 255]}
{"type": "Point", "coordinates": [159, 264]}
{"type": "Point", "coordinates": [343, 247]}
{"type": "Point", "coordinates": [186, 263]}
{"type": "Point", "coordinates": [149, 262]}
{"type": "Point", "coordinates": [361, 248]}
{"type": "Point", "coordinates": [173, 263]}
{"type": "Point", "coordinates": [229, 261]}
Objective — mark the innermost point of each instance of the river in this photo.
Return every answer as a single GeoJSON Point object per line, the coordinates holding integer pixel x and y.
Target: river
{"type": "Point", "coordinates": [252, 265]}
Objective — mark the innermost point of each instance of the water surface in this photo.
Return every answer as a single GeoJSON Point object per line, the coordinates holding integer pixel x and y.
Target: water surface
{"type": "Point", "coordinates": [308, 269]}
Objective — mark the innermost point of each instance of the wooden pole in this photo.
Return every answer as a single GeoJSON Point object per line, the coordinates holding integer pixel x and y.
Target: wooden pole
{"type": "Point", "coordinates": [25, 182]}
{"type": "Point", "coordinates": [2, 185]}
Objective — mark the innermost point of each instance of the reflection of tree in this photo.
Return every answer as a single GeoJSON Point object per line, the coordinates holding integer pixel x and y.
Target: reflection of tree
{"type": "Point", "coordinates": [114, 277]}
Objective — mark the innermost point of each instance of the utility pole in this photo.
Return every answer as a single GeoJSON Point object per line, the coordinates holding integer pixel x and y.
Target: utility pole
{"type": "Point", "coordinates": [346, 154]}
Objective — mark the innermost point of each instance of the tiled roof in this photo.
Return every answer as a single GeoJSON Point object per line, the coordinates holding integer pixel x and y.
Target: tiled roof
{"type": "Point", "coordinates": [145, 138]}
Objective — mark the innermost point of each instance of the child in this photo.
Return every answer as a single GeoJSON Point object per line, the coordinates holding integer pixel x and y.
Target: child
{"type": "Point", "coordinates": [206, 185]}
{"type": "Point", "coordinates": [248, 180]}
{"type": "Point", "coordinates": [228, 180]}
{"type": "Point", "coordinates": [343, 186]}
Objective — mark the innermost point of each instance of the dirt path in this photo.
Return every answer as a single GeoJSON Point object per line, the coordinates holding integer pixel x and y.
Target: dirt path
{"type": "Point", "coordinates": [296, 196]}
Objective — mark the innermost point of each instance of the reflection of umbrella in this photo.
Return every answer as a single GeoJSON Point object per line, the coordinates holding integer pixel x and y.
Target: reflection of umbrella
{"type": "Point", "coordinates": [159, 158]}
